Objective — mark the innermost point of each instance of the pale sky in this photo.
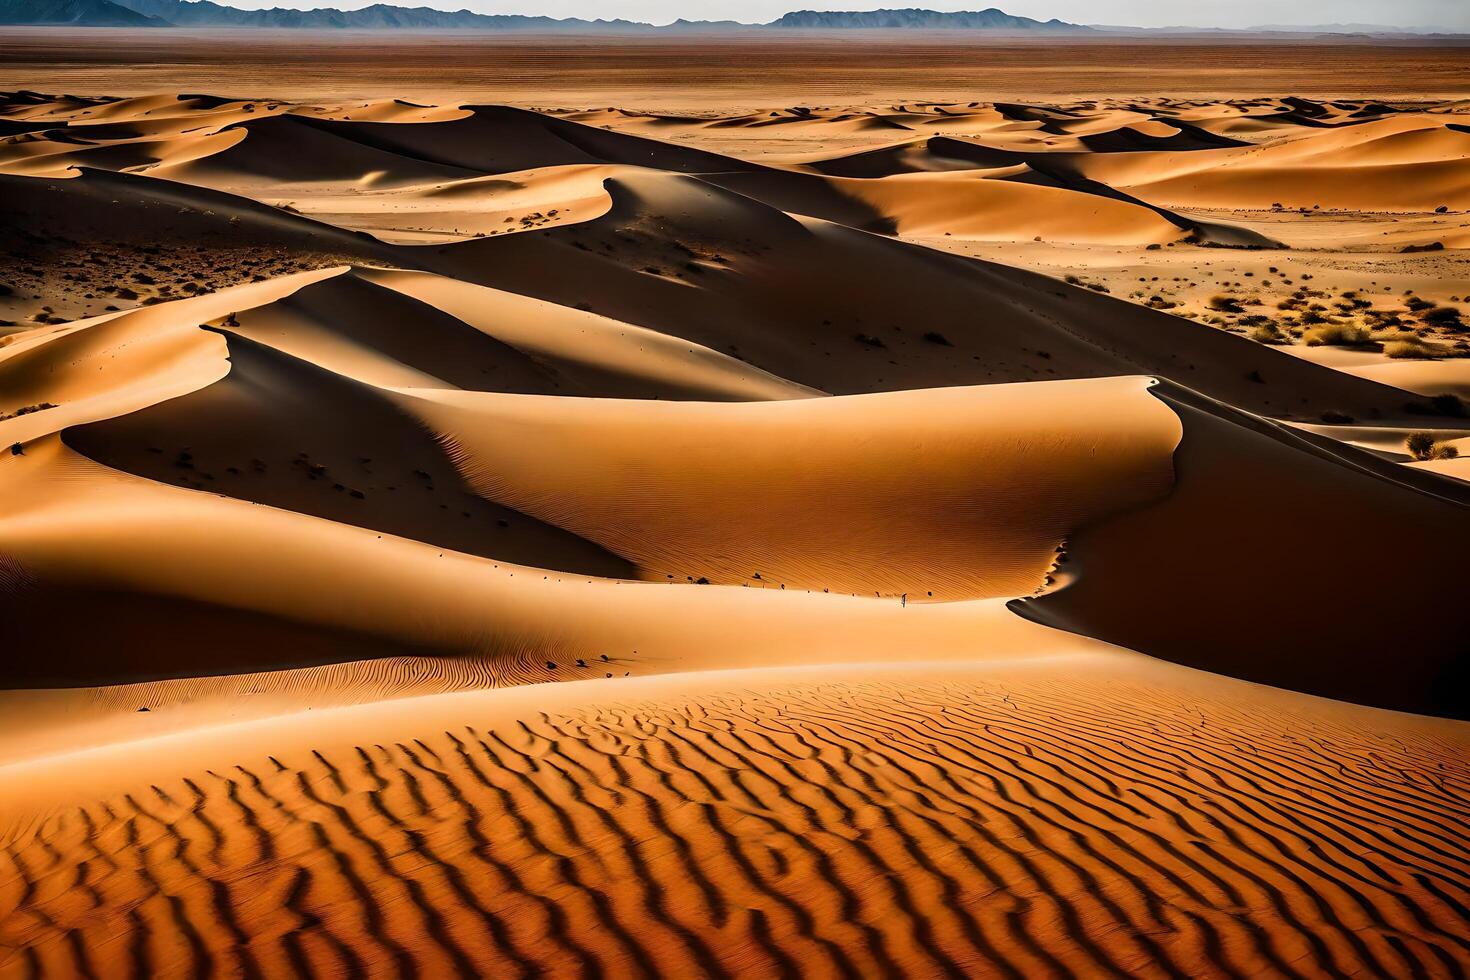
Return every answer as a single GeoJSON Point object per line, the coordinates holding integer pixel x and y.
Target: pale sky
{"type": "Point", "coordinates": [1452, 14]}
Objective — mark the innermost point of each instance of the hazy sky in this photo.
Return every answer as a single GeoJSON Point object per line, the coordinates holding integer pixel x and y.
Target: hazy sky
{"type": "Point", "coordinates": [1141, 13]}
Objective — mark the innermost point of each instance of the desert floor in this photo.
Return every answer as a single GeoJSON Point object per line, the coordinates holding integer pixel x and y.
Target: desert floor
{"type": "Point", "coordinates": [990, 522]}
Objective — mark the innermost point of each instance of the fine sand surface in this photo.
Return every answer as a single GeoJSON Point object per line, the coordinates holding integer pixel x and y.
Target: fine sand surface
{"type": "Point", "coordinates": [886, 536]}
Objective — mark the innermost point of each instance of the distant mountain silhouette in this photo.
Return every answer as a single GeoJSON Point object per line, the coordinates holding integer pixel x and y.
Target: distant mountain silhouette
{"type": "Point", "coordinates": [382, 16]}
{"type": "Point", "coordinates": [916, 18]}
{"type": "Point", "coordinates": [206, 13]}
{"type": "Point", "coordinates": [81, 13]}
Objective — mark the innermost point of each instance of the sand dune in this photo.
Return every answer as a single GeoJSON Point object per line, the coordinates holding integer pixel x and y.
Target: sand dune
{"type": "Point", "coordinates": [104, 537]}
{"type": "Point", "coordinates": [1403, 162]}
{"type": "Point", "coordinates": [266, 152]}
{"type": "Point", "coordinates": [596, 355]}
{"type": "Point", "coordinates": [940, 204]}
{"type": "Point", "coordinates": [501, 139]}
{"type": "Point", "coordinates": [350, 152]}
{"type": "Point", "coordinates": [1288, 556]}
{"type": "Point", "coordinates": [907, 492]}
{"type": "Point", "coordinates": [933, 820]}
{"type": "Point", "coordinates": [1394, 164]}
{"type": "Point", "coordinates": [812, 302]}
{"type": "Point", "coordinates": [446, 539]}
{"type": "Point", "coordinates": [124, 208]}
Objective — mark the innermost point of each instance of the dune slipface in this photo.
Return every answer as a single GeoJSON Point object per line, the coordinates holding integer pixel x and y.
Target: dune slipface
{"type": "Point", "coordinates": [926, 539]}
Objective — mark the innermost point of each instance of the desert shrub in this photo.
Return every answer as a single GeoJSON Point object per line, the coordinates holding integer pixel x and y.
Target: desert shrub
{"type": "Point", "coordinates": [26, 410]}
{"type": "Point", "coordinates": [1423, 446]}
{"type": "Point", "coordinates": [1442, 316]}
{"type": "Point", "coordinates": [1415, 348]}
{"type": "Point", "coordinates": [1419, 444]}
{"type": "Point", "coordinates": [1224, 304]}
{"type": "Point", "coordinates": [1383, 318]}
{"type": "Point", "coordinates": [1338, 335]}
{"type": "Point", "coordinates": [1268, 333]}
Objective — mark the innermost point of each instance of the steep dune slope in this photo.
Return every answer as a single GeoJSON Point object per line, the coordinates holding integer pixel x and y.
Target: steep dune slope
{"type": "Point", "coordinates": [54, 153]}
{"type": "Point", "coordinates": [291, 150]}
{"type": "Point", "coordinates": [1395, 163]}
{"type": "Point", "coordinates": [501, 139]}
{"type": "Point", "coordinates": [351, 326]}
{"type": "Point", "coordinates": [120, 362]}
{"type": "Point", "coordinates": [588, 354]}
{"type": "Point", "coordinates": [950, 494]}
{"type": "Point", "coordinates": [959, 205]}
{"type": "Point", "coordinates": [74, 529]}
{"type": "Point", "coordinates": [280, 431]}
{"type": "Point", "coordinates": [1285, 559]}
{"type": "Point", "coordinates": [127, 208]}
{"type": "Point", "coordinates": [846, 312]}
{"type": "Point", "coordinates": [1414, 164]}
{"type": "Point", "coordinates": [897, 518]}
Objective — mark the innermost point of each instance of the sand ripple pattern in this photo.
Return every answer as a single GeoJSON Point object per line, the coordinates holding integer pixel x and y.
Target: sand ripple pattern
{"type": "Point", "coordinates": [949, 827]}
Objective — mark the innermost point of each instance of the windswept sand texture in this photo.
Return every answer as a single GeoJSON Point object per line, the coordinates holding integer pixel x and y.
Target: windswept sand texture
{"type": "Point", "coordinates": [896, 537]}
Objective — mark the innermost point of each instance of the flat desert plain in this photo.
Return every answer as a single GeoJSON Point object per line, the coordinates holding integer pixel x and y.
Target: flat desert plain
{"type": "Point", "coordinates": [561, 531]}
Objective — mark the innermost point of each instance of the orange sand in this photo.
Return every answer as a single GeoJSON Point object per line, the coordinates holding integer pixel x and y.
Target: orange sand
{"type": "Point", "coordinates": [916, 611]}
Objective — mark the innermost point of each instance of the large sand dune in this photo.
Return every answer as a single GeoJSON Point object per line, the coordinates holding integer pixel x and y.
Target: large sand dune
{"type": "Point", "coordinates": [919, 612]}
{"type": "Point", "coordinates": [1082, 815]}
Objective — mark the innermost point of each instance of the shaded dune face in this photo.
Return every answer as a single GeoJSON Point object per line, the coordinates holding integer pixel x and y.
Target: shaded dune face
{"type": "Point", "coordinates": [829, 307]}
{"type": "Point", "coordinates": [1282, 548]}
{"type": "Point", "coordinates": [1014, 822]}
{"type": "Point", "coordinates": [351, 326]}
{"type": "Point", "coordinates": [502, 139]}
{"type": "Point", "coordinates": [142, 637]}
{"type": "Point", "coordinates": [280, 431]}
{"type": "Point", "coordinates": [913, 614]}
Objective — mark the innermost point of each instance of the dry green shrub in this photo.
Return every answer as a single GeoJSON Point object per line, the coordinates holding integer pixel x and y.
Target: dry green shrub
{"type": "Point", "coordinates": [1423, 446]}
{"type": "Point", "coordinates": [1268, 333]}
{"type": "Point", "coordinates": [1339, 335]}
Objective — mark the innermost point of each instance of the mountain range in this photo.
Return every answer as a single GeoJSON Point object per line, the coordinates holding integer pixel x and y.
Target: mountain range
{"type": "Point", "coordinates": [81, 13]}
{"type": "Point", "coordinates": [911, 18]}
{"type": "Point", "coordinates": [383, 16]}
{"type": "Point", "coordinates": [206, 13]}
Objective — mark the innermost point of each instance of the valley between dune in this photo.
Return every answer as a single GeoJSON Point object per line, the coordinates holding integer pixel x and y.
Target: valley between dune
{"type": "Point", "coordinates": [906, 537]}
